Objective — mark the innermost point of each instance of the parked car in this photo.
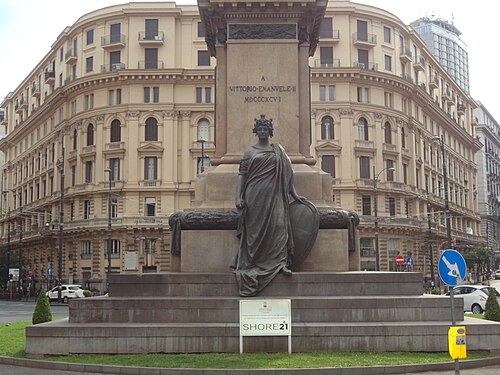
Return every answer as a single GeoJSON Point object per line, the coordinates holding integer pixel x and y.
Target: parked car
{"type": "Point", "coordinates": [497, 275]}
{"type": "Point", "coordinates": [474, 296]}
{"type": "Point", "coordinates": [67, 292]}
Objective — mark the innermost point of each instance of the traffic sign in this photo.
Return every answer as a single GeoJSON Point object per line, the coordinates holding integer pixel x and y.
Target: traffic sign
{"type": "Point", "coordinates": [409, 261]}
{"type": "Point", "coordinates": [49, 271]}
{"type": "Point", "coordinates": [451, 267]}
{"type": "Point", "coordinates": [400, 260]}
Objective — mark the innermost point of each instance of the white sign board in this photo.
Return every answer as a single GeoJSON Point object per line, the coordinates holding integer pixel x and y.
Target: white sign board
{"type": "Point", "coordinates": [131, 260]}
{"type": "Point", "coordinates": [265, 318]}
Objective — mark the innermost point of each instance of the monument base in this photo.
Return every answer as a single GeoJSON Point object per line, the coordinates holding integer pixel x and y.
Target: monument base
{"type": "Point", "coordinates": [207, 251]}
{"type": "Point", "coordinates": [197, 313]}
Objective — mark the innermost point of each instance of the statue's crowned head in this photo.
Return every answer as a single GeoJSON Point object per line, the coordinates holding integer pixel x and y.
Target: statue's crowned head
{"type": "Point", "coordinates": [263, 121]}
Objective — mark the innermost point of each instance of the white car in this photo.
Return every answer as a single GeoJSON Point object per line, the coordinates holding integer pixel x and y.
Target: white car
{"type": "Point", "coordinates": [475, 296]}
{"type": "Point", "coordinates": [497, 275]}
{"type": "Point", "coordinates": [67, 292]}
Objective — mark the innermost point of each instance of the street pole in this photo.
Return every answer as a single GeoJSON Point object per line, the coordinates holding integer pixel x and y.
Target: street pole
{"type": "Point", "coordinates": [21, 226]}
{"type": "Point", "coordinates": [375, 212]}
{"type": "Point", "coordinates": [108, 273]}
{"type": "Point", "coordinates": [431, 255]}
{"type": "Point", "coordinates": [202, 166]}
{"type": "Point", "coordinates": [61, 229]}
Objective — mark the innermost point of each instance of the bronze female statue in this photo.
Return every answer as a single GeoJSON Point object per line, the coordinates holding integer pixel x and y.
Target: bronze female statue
{"type": "Point", "coordinates": [265, 181]}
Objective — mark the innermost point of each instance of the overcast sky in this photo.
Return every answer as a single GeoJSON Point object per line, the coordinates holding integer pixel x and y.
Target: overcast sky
{"type": "Point", "coordinates": [29, 27]}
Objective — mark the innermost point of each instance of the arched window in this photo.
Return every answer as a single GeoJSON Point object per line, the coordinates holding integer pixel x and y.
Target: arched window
{"type": "Point", "coordinates": [116, 131]}
{"type": "Point", "coordinates": [363, 129]}
{"type": "Point", "coordinates": [151, 129]}
{"type": "Point", "coordinates": [403, 138]}
{"type": "Point", "coordinates": [388, 133]}
{"type": "Point", "coordinates": [75, 139]}
{"type": "Point", "coordinates": [203, 130]}
{"type": "Point", "coordinates": [90, 135]}
{"type": "Point", "coordinates": [327, 128]}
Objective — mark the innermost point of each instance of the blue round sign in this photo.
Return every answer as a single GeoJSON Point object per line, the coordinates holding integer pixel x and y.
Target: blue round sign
{"type": "Point", "coordinates": [451, 267]}
{"type": "Point", "coordinates": [49, 271]}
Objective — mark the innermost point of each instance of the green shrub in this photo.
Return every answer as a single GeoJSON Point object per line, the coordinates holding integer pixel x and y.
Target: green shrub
{"type": "Point", "coordinates": [492, 308]}
{"type": "Point", "coordinates": [87, 293]}
{"type": "Point", "coordinates": [42, 311]}
{"type": "Point", "coordinates": [436, 291]}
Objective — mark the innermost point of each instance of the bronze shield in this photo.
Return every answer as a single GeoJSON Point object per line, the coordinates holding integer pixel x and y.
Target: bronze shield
{"type": "Point", "coordinates": [304, 218]}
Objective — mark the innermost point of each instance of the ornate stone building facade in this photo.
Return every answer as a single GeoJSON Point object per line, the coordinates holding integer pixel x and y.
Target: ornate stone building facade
{"type": "Point", "coordinates": [126, 95]}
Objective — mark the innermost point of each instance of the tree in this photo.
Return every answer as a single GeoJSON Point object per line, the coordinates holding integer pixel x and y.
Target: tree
{"type": "Point", "coordinates": [479, 259]}
{"type": "Point", "coordinates": [492, 307]}
{"type": "Point", "coordinates": [42, 311]}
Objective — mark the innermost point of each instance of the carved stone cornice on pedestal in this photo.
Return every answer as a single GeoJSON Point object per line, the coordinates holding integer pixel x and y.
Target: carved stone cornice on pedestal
{"type": "Point", "coordinates": [346, 112]}
{"type": "Point", "coordinates": [99, 118]}
{"type": "Point", "coordinates": [132, 115]}
{"type": "Point", "coordinates": [185, 114]}
{"type": "Point", "coordinates": [170, 115]}
{"type": "Point", "coordinates": [378, 115]}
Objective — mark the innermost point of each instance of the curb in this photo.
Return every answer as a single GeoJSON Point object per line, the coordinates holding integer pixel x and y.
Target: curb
{"type": "Point", "coordinates": [128, 370]}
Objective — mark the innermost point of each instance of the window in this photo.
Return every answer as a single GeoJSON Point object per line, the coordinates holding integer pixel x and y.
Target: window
{"type": "Point", "coordinates": [61, 54]}
{"type": "Point", "coordinates": [86, 248]}
{"type": "Point", "coordinates": [388, 62]}
{"type": "Point", "coordinates": [326, 57]}
{"type": "Point", "coordinates": [366, 205]}
{"type": "Point", "coordinates": [150, 207]}
{"type": "Point", "coordinates": [115, 97]}
{"type": "Point", "coordinates": [387, 133]}
{"type": "Point", "coordinates": [75, 139]}
{"type": "Point", "coordinates": [90, 36]}
{"type": "Point", "coordinates": [388, 102]}
{"type": "Point", "coordinates": [86, 209]}
{"type": "Point", "coordinates": [405, 173]}
{"type": "Point", "coordinates": [88, 171]}
{"type": "Point", "coordinates": [201, 30]}
{"type": "Point", "coordinates": [151, 58]}
{"type": "Point", "coordinates": [331, 93]}
{"type": "Point", "coordinates": [114, 208]}
{"type": "Point", "coordinates": [115, 247]}
{"type": "Point", "coordinates": [203, 58]}
{"type": "Point", "coordinates": [115, 131]}
{"type": "Point", "coordinates": [363, 59]}
{"type": "Point", "coordinates": [73, 175]}
{"type": "Point", "coordinates": [363, 94]}
{"type": "Point", "coordinates": [199, 94]}
{"type": "Point", "coordinates": [150, 168]}
{"type": "Point", "coordinates": [322, 93]}
{"type": "Point", "coordinates": [392, 206]}
{"type": "Point", "coordinates": [389, 164]}
{"type": "Point", "coordinates": [114, 60]}
{"type": "Point", "coordinates": [89, 101]}
{"type": "Point", "coordinates": [89, 64]}
{"type": "Point", "coordinates": [364, 167]}
{"type": "Point", "coordinates": [327, 128]}
{"type": "Point", "coordinates": [151, 29]}
{"type": "Point", "coordinates": [403, 138]}
{"type": "Point", "coordinates": [387, 34]}
{"type": "Point", "coordinates": [115, 31]}
{"type": "Point", "coordinates": [326, 28]}
{"type": "Point", "coordinates": [147, 94]}
{"type": "Point", "coordinates": [362, 129]}
{"type": "Point", "coordinates": [208, 94]}
{"type": "Point", "coordinates": [90, 135]}
{"type": "Point", "coordinates": [203, 130]}
{"type": "Point", "coordinates": [151, 130]}
{"type": "Point", "coordinates": [362, 29]}
{"type": "Point", "coordinates": [114, 165]}
{"type": "Point", "coordinates": [328, 164]}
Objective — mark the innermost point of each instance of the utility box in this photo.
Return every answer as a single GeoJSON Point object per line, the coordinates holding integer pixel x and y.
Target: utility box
{"type": "Point", "coordinates": [457, 343]}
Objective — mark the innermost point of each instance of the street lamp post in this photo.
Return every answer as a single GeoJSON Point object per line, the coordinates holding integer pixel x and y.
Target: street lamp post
{"type": "Point", "coordinates": [446, 197]}
{"type": "Point", "coordinates": [431, 255]}
{"type": "Point", "coordinates": [202, 166]}
{"type": "Point", "coordinates": [109, 170]}
{"type": "Point", "coordinates": [61, 230]}
{"type": "Point", "coordinates": [375, 211]}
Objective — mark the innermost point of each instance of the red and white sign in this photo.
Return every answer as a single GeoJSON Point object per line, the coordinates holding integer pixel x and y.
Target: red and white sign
{"type": "Point", "coordinates": [400, 260]}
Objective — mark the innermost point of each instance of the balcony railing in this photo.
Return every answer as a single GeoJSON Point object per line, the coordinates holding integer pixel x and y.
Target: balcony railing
{"type": "Point", "coordinates": [405, 55]}
{"type": "Point", "coordinates": [69, 79]}
{"type": "Point", "coordinates": [419, 63]}
{"type": "Point", "coordinates": [113, 40]}
{"type": "Point", "coordinates": [434, 83]}
{"type": "Point", "coordinates": [365, 65]}
{"type": "Point", "coordinates": [112, 67]}
{"type": "Point", "coordinates": [461, 109]}
{"type": "Point", "coordinates": [151, 183]}
{"type": "Point", "coordinates": [50, 76]}
{"type": "Point", "coordinates": [151, 37]}
{"type": "Point", "coordinates": [35, 90]}
{"type": "Point", "coordinates": [335, 63]}
{"type": "Point", "coordinates": [333, 34]}
{"type": "Point", "coordinates": [150, 64]}
{"type": "Point", "coordinates": [70, 56]}
{"type": "Point", "coordinates": [407, 77]}
{"type": "Point", "coordinates": [364, 39]}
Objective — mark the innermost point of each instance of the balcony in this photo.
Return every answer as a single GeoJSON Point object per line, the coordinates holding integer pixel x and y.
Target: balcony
{"type": "Point", "coordinates": [434, 83]}
{"type": "Point", "coordinates": [446, 95]}
{"type": "Point", "coordinates": [35, 90]}
{"type": "Point", "coordinates": [112, 41]}
{"type": "Point", "coordinates": [327, 64]}
{"type": "Point", "coordinates": [151, 183]}
{"type": "Point", "coordinates": [407, 77]}
{"type": "Point", "coordinates": [112, 67]}
{"type": "Point", "coordinates": [364, 40]}
{"type": "Point", "coordinates": [69, 79]}
{"type": "Point", "coordinates": [405, 55]}
{"type": "Point", "coordinates": [334, 36]}
{"type": "Point", "coordinates": [151, 38]}
{"type": "Point", "coordinates": [3, 120]}
{"type": "Point", "coordinates": [50, 77]}
{"type": "Point", "coordinates": [70, 57]}
{"type": "Point", "coordinates": [461, 110]}
{"type": "Point", "coordinates": [364, 144]}
{"type": "Point", "coordinates": [419, 63]}
{"type": "Point", "coordinates": [150, 64]}
{"type": "Point", "coordinates": [365, 65]}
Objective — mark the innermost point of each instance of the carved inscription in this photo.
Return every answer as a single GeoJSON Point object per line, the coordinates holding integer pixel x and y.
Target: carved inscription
{"type": "Point", "coordinates": [263, 31]}
{"type": "Point", "coordinates": [262, 93]}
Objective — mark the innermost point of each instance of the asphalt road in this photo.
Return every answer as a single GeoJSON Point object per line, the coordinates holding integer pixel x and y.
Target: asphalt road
{"type": "Point", "coordinates": [22, 310]}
